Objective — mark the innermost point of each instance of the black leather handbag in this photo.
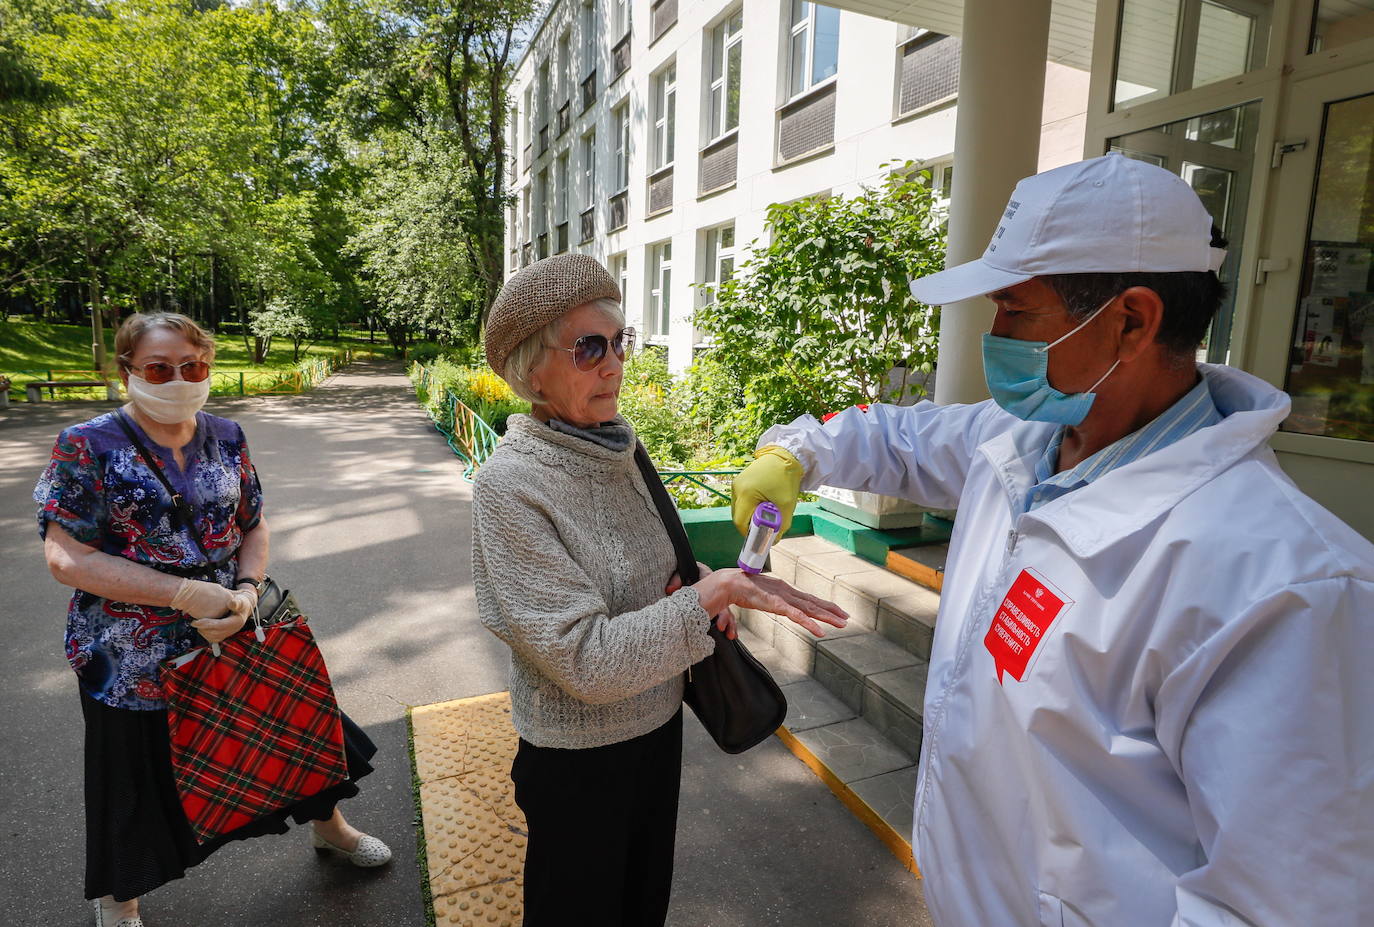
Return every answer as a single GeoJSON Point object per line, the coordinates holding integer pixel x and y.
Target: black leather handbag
{"type": "Point", "coordinates": [732, 694]}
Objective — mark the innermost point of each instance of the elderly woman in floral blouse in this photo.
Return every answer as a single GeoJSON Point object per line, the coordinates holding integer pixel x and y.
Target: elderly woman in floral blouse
{"type": "Point", "coordinates": [150, 584]}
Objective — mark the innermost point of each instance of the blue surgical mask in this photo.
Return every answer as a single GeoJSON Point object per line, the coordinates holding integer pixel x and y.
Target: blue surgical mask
{"type": "Point", "coordinates": [1018, 378]}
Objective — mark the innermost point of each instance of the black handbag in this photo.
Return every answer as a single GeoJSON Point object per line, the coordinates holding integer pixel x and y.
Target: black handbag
{"type": "Point", "coordinates": [732, 694]}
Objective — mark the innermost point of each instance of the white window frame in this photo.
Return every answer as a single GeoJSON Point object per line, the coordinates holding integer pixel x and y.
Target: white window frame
{"type": "Point", "coordinates": [589, 48]}
{"type": "Point", "coordinates": [560, 190]}
{"type": "Point", "coordinates": [530, 127]}
{"type": "Point", "coordinates": [541, 205]}
{"type": "Point", "coordinates": [621, 163]}
{"type": "Point", "coordinates": [565, 74]}
{"type": "Point", "coordinates": [660, 292]}
{"type": "Point", "coordinates": [722, 42]}
{"type": "Point", "coordinates": [664, 129]}
{"type": "Point", "coordinates": [619, 267]}
{"type": "Point", "coordinates": [806, 26]}
{"type": "Point", "coordinates": [717, 252]}
{"type": "Point", "coordinates": [621, 19]}
{"type": "Point", "coordinates": [589, 169]}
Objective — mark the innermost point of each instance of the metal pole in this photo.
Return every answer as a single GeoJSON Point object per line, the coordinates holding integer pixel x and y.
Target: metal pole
{"type": "Point", "coordinates": [996, 143]}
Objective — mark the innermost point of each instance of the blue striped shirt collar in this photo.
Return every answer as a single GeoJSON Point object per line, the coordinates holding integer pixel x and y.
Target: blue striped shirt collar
{"type": "Point", "coordinates": [1195, 411]}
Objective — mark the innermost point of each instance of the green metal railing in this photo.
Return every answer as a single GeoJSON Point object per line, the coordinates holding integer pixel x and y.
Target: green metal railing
{"type": "Point", "coordinates": [468, 436]}
{"type": "Point", "coordinates": [682, 479]}
{"type": "Point", "coordinates": [473, 440]}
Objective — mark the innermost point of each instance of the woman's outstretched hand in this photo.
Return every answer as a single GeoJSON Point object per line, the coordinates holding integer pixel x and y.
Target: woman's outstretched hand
{"type": "Point", "coordinates": [723, 588]}
{"type": "Point", "coordinates": [725, 620]}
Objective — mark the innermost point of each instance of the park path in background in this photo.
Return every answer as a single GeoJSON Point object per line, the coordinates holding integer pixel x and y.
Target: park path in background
{"type": "Point", "coordinates": [371, 528]}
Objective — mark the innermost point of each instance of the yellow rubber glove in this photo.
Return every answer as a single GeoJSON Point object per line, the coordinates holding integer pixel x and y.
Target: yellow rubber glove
{"type": "Point", "coordinates": [775, 476]}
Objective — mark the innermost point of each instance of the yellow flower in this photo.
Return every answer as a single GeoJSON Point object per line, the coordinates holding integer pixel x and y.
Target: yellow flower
{"type": "Point", "coordinates": [488, 387]}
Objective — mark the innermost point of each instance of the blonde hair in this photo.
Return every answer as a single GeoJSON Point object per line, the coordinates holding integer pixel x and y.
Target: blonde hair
{"type": "Point", "coordinates": [528, 354]}
{"type": "Point", "coordinates": [138, 324]}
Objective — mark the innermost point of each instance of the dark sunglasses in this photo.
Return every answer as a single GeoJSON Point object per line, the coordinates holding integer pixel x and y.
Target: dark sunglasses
{"type": "Point", "coordinates": [590, 350]}
{"type": "Point", "coordinates": [159, 372]}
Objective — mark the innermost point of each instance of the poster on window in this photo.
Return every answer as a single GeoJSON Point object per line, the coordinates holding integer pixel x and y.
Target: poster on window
{"type": "Point", "coordinates": [1318, 328]}
{"type": "Point", "coordinates": [1339, 269]}
{"type": "Point", "coordinates": [1327, 350]}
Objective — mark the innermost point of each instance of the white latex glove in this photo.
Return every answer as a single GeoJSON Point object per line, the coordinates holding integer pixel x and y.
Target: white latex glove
{"type": "Point", "coordinates": [215, 630]}
{"type": "Point", "coordinates": [200, 599]}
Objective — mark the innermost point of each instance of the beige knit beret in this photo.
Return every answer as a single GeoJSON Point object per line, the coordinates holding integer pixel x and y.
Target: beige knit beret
{"type": "Point", "coordinates": [539, 294]}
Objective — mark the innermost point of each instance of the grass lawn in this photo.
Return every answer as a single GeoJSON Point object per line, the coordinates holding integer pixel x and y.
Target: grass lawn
{"type": "Point", "coordinates": [28, 350]}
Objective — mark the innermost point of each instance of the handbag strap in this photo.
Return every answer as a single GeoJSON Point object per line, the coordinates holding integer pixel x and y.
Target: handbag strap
{"type": "Point", "coordinates": [686, 560]}
{"type": "Point", "coordinates": [180, 507]}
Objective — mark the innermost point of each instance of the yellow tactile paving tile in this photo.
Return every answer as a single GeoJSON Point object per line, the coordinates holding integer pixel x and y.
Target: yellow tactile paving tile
{"type": "Point", "coordinates": [474, 833]}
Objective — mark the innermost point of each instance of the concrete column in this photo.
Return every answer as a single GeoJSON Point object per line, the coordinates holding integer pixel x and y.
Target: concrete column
{"type": "Point", "coordinates": [996, 143]}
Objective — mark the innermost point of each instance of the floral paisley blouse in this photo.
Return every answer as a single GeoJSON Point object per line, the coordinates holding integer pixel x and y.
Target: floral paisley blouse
{"type": "Point", "coordinates": [98, 488]}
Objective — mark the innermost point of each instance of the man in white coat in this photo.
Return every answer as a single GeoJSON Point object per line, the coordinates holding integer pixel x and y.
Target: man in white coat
{"type": "Point", "coordinates": [1148, 702]}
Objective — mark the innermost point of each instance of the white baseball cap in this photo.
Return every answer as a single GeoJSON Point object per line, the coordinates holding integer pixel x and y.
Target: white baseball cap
{"type": "Point", "coordinates": [1105, 215]}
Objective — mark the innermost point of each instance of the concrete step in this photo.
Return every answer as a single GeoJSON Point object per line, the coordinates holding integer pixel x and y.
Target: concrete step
{"type": "Point", "coordinates": [856, 695]}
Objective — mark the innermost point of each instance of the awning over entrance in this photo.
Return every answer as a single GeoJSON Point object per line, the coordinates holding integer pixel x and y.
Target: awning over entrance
{"type": "Point", "coordinates": [1071, 22]}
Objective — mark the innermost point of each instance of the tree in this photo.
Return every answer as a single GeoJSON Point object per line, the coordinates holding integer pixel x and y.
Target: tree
{"type": "Point", "coordinates": [413, 258]}
{"type": "Point", "coordinates": [820, 317]}
{"type": "Point", "coordinates": [440, 69]}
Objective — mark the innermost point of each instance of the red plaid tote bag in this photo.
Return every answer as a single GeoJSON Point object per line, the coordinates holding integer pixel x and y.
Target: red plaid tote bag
{"type": "Point", "coordinates": [253, 728]}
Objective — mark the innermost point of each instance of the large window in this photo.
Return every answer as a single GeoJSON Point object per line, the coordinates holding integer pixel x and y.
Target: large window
{"type": "Point", "coordinates": [1167, 46]}
{"type": "Point", "coordinates": [720, 260]}
{"type": "Point", "coordinates": [727, 51]}
{"type": "Point", "coordinates": [621, 118]}
{"type": "Point", "coordinates": [665, 106]}
{"type": "Point", "coordinates": [815, 48]}
{"type": "Point", "coordinates": [660, 289]}
{"type": "Point", "coordinates": [1215, 153]}
{"type": "Point", "coordinates": [619, 267]}
{"type": "Point", "coordinates": [1331, 361]}
{"type": "Point", "coordinates": [1340, 22]}
{"type": "Point", "coordinates": [588, 35]}
{"type": "Point", "coordinates": [565, 73]}
{"type": "Point", "coordinates": [560, 190]}
{"type": "Point", "coordinates": [589, 170]}
{"type": "Point", "coordinates": [620, 19]}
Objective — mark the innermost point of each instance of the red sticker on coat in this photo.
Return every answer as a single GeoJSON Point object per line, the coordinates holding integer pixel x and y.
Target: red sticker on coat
{"type": "Point", "coordinates": [1023, 619]}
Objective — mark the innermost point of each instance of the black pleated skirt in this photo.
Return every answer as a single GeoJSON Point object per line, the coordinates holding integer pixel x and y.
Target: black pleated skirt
{"type": "Point", "coordinates": [137, 836]}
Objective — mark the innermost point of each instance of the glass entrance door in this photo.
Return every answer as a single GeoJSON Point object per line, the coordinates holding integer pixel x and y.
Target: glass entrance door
{"type": "Point", "coordinates": [1331, 365]}
{"type": "Point", "coordinates": [1313, 321]}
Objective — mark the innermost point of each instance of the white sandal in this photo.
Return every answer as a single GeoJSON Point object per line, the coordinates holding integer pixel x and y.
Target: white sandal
{"type": "Point", "coordinates": [135, 921]}
{"type": "Point", "coordinates": [369, 853]}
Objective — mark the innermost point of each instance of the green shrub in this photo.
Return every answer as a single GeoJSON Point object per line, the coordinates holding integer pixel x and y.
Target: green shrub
{"type": "Point", "coordinates": [477, 388]}
{"type": "Point", "coordinates": [820, 311]}
{"type": "Point", "coordinates": [647, 404]}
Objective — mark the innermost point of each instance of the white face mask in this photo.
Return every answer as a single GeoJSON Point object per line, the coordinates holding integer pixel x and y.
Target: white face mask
{"type": "Point", "coordinates": [169, 403]}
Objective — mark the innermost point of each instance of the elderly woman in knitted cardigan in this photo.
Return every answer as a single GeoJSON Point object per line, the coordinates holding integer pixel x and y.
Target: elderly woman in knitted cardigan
{"type": "Point", "coordinates": [574, 570]}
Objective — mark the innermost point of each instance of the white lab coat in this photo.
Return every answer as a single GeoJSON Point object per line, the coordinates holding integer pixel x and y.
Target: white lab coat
{"type": "Point", "coordinates": [1192, 742]}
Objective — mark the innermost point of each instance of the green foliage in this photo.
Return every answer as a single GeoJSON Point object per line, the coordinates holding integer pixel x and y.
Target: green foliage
{"type": "Point", "coordinates": [310, 163]}
{"type": "Point", "coordinates": [408, 236]}
{"type": "Point", "coordinates": [479, 389]}
{"type": "Point", "coordinates": [646, 403]}
{"type": "Point", "coordinates": [816, 318]}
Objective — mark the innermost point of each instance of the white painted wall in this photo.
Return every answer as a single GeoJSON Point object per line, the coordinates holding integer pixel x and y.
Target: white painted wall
{"type": "Point", "coordinates": [866, 135]}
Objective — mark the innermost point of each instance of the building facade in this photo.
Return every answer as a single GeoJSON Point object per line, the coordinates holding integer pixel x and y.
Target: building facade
{"type": "Point", "coordinates": [654, 135]}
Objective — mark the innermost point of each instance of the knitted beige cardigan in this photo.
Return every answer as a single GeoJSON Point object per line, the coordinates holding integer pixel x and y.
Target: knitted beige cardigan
{"type": "Point", "coordinates": [570, 559]}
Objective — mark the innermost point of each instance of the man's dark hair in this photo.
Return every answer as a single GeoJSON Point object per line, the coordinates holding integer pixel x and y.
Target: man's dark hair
{"type": "Point", "coordinates": [1190, 299]}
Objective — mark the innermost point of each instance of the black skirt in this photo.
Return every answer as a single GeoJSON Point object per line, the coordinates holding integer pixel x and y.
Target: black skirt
{"type": "Point", "coordinates": [137, 836]}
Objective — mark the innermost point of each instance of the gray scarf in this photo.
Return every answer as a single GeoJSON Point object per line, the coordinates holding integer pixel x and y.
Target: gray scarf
{"type": "Point", "coordinates": [614, 436]}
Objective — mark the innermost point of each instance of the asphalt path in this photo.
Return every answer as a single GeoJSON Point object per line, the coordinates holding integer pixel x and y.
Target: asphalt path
{"type": "Point", "coordinates": [371, 527]}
